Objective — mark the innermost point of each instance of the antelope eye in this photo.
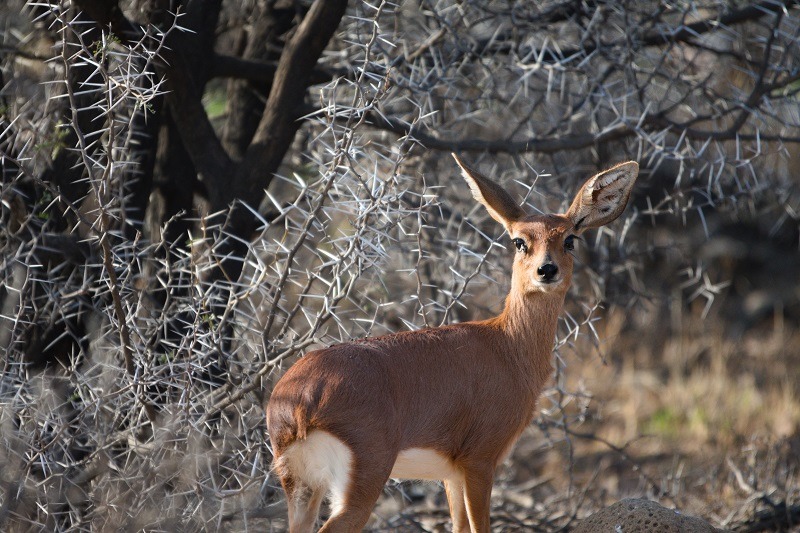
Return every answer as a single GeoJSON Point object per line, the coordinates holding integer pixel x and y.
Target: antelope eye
{"type": "Point", "coordinates": [569, 243]}
{"type": "Point", "coordinates": [520, 244]}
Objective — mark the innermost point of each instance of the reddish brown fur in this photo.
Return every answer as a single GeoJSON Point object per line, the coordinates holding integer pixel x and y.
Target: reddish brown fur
{"type": "Point", "coordinates": [465, 390]}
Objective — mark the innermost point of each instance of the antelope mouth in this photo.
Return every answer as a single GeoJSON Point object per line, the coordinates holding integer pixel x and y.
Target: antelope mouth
{"type": "Point", "coordinates": [547, 285]}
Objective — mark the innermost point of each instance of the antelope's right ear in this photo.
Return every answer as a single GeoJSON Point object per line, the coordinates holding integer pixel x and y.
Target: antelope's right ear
{"type": "Point", "coordinates": [497, 201]}
{"type": "Point", "coordinates": [603, 197]}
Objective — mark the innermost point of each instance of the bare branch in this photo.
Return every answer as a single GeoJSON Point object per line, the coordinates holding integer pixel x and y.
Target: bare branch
{"type": "Point", "coordinates": [226, 66]}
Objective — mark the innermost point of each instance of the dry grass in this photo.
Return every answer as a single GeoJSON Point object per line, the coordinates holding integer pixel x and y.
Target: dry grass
{"type": "Point", "coordinates": [704, 388]}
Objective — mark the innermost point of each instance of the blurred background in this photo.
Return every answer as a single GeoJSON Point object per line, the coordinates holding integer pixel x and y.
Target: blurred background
{"type": "Point", "coordinates": [195, 193]}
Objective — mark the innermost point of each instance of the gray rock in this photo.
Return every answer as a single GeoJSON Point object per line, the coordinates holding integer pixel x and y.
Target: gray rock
{"type": "Point", "coordinates": [635, 515]}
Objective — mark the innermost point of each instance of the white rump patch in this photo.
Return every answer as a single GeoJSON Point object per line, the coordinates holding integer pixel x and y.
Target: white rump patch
{"type": "Point", "coordinates": [321, 461]}
{"type": "Point", "coordinates": [424, 463]}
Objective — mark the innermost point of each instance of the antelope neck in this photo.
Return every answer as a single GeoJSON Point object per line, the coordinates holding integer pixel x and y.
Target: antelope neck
{"type": "Point", "coordinates": [530, 321]}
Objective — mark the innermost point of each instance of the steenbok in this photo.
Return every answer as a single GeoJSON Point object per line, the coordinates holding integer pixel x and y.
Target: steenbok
{"type": "Point", "coordinates": [444, 403]}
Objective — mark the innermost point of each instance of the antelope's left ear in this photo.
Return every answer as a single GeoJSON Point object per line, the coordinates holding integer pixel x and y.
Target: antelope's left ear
{"type": "Point", "coordinates": [603, 197]}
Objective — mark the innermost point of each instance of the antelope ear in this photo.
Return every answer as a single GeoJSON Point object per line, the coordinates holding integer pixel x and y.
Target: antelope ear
{"type": "Point", "coordinates": [497, 201]}
{"type": "Point", "coordinates": [603, 197]}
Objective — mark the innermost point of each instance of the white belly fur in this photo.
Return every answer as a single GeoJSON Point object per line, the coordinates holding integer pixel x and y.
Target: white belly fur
{"type": "Point", "coordinates": [423, 463]}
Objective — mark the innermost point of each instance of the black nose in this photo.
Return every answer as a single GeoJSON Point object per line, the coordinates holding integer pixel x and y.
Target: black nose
{"type": "Point", "coordinates": [547, 271]}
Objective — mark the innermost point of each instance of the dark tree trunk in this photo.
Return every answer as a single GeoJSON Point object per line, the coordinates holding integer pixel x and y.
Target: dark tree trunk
{"type": "Point", "coordinates": [175, 183]}
{"type": "Point", "coordinates": [272, 20]}
{"type": "Point", "coordinates": [276, 130]}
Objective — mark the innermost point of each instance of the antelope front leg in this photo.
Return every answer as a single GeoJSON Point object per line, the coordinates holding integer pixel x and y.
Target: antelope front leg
{"type": "Point", "coordinates": [458, 507]}
{"type": "Point", "coordinates": [478, 492]}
